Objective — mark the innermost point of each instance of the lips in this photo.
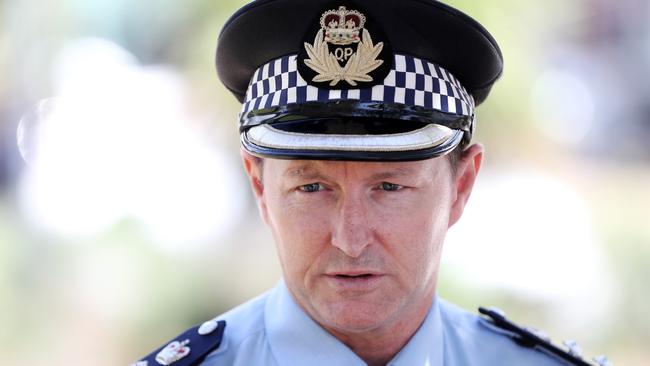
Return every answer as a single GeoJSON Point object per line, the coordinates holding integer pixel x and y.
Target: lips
{"type": "Point", "coordinates": [354, 280]}
{"type": "Point", "coordinates": [353, 274]}
{"type": "Point", "coordinates": [363, 275]}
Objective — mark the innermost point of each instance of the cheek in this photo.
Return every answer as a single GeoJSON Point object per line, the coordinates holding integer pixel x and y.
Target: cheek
{"type": "Point", "coordinates": [415, 233]}
{"type": "Point", "coordinates": [301, 232]}
{"type": "Point", "coordinates": [416, 215]}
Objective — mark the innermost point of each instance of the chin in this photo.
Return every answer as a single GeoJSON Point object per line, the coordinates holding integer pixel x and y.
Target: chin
{"type": "Point", "coordinates": [354, 316]}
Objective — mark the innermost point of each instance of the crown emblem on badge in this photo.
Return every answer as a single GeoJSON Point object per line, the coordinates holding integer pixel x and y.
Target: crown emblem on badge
{"type": "Point", "coordinates": [341, 28]}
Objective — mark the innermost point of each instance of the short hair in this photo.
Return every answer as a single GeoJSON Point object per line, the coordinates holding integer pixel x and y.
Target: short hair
{"type": "Point", "coordinates": [455, 155]}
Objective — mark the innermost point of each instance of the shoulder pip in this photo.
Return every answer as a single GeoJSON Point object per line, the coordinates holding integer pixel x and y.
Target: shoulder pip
{"type": "Point", "coordinates": [532, 338]}
{"type": "Point", "coordinates": [188, 349]}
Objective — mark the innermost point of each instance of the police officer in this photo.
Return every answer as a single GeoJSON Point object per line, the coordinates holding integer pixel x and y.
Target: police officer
{"type": "Point", "coordinates": [356, 125]}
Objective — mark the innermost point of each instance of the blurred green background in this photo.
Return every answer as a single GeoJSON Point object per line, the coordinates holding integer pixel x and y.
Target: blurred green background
{"type": "Point", "coordinates": [132, 220]}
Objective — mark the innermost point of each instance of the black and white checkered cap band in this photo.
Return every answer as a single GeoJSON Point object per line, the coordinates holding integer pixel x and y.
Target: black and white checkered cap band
{"type": "Point", "coordinates": [411, 81]}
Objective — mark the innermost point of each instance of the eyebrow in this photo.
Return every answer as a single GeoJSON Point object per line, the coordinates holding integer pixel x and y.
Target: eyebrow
{"type": "Point", "coordinates": [392, 173]}
{"type": "Point", "coordinates": [304, 171]}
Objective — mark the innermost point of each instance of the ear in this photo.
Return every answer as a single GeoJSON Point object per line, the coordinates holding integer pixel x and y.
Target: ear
{"type": "Point", "coordinates": [254, 167]}
{"type": "Point", "coordinates": [466, 171]}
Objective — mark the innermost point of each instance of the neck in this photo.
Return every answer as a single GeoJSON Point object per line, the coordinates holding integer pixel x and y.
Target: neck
{"type": "Point", "coordinates": [378, 346]}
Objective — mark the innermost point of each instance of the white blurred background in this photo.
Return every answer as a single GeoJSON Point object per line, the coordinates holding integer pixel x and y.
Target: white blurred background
{"type": "Point", "coordinates": [132, 220]}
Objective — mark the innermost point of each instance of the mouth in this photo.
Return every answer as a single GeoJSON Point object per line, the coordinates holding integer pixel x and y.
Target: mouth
{"type": "Point", "coordinates": [353, 274]}
{"type": "Point", "coordinates": [357, 281]}
{"type": "Point", "coordinates": [363, 275]}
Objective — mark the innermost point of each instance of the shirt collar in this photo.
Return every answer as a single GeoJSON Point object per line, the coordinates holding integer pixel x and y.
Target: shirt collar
{"type": "Point", "coordinates": [296, 339]}
{"type": "Point", "coordinates": [426, 346]}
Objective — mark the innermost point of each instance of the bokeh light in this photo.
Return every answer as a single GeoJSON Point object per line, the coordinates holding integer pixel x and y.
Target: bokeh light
{"type": "Point", "coordinates": [115, 144]}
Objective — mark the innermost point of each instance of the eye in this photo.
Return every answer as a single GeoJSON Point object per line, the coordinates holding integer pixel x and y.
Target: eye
{"type": "Point", "coordinates": [311, 187]}
{"type": "Point", "coordinates": [390, 187]}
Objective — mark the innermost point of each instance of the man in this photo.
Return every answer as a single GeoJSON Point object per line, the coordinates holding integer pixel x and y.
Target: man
{"type": "Point", "coordinates": [356, 127]}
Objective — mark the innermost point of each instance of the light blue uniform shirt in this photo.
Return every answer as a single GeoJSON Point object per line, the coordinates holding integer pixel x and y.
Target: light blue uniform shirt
{"type": "Point", "coordinates": [273, 330]}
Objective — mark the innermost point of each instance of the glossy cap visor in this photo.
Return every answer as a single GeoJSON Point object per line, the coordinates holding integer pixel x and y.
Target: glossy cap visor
{"type": "Point", "coordinates": [351, 139]}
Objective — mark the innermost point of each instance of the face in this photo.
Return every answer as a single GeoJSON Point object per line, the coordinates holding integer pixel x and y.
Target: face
{"type": "Point", "coordinates": [359, 242]}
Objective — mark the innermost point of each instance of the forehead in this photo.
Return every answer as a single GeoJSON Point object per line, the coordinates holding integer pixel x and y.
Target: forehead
{"type": "Point", "coordinates": [300, 169]}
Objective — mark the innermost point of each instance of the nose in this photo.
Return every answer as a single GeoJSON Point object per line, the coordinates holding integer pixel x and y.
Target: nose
{"type": "Point", "coordinates": [353, 227]}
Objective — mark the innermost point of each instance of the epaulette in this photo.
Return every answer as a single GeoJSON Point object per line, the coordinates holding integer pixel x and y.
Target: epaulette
{"type": "Point", "coordinates": [189, 348]}
{"type": "Point", "coordinates": [529, 337]}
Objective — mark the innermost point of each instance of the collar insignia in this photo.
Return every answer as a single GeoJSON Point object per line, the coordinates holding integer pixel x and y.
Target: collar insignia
{"type": "Point", "coordinates": [173, 352]}
{"type": "Point", "coordinates": [343, 54]}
